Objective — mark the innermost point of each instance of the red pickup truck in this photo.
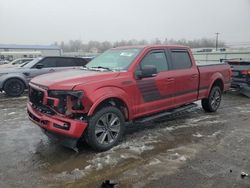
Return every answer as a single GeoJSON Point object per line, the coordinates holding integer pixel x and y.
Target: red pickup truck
{"type": "Point", "coordinates": [125, 84]}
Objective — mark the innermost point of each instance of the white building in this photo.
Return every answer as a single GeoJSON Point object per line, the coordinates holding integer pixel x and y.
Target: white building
{"type": "Point", "coordinates": [13, 51]}
{"type": "Point", "coordinates": [206, 55]}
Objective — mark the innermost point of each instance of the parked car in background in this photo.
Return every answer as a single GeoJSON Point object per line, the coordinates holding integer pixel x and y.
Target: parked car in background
{"type": "Point", "coordinates": [16, 62]}
{"type": "Point", "coordinates": [15, 80]}
{"type": "Point", "coordinates": [123, 85]}
{"type": "Point", "coordinates": [2, 62]}
{"type": "Point", "coordinates": [21, 61]}
{"type": "Point", "coordinates": [241, 75]}
{"type": "Point", "coordinates": [88, 58]}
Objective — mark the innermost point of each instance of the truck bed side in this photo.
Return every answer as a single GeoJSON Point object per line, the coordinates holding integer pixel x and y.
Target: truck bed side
{"type": "Point", "coordinates": [209, 74]}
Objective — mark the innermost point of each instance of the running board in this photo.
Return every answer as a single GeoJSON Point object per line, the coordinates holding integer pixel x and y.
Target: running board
{"type": "Point", "coordinates": [167, 113]}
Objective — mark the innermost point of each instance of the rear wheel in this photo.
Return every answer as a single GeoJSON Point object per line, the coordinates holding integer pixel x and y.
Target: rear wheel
{"type": "Point", "coordinates": [105, 128]}
{"type": "Point", "coordinates": [212, 103]}
{"type": "Point", "coordinates": [14, 87]}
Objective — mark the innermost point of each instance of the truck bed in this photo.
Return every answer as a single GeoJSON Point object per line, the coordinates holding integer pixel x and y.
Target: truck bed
{"type": "Point", "coordinates": [207, 73]}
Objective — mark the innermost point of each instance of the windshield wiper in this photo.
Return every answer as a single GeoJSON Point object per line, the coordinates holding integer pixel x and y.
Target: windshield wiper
{"type": "Point", "coordinates": [101, 67]}
{"type": "Point", "coordinates": [85, 67]}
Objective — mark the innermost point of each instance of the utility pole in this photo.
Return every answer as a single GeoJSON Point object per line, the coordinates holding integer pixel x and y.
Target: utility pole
{"type": "Point", "coordinates": [216, 41]}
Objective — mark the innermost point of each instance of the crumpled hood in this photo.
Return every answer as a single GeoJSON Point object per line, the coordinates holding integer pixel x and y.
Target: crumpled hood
{"type": "Point", "coordinates": [67, 80]}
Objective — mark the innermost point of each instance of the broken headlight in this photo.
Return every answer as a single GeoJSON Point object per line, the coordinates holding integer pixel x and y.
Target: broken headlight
{"type": "Point", "coordinates": [66, 101]}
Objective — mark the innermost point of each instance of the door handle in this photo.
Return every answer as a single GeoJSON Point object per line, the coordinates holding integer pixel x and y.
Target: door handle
{"type": "Point", "coordinates": [194, 76]}
{"type": "Point", "coordinates": [170, 80]}
{"type": "Point", "coordinates": [51, 70]}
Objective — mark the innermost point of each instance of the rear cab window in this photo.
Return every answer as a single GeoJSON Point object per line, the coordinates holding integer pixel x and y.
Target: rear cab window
{"type": "Point", "coordinates": [180, 59]}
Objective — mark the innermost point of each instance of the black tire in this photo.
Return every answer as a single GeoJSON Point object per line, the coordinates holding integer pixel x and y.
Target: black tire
{"type": "Point", "coordinates": [212, 103]}
{"type": "Point", "coordinates": [14, 87]}
{"type": "Point", "coordinates": [105, 128]}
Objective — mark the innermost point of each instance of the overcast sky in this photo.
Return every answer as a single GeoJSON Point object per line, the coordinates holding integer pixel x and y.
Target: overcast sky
{"type": "Point", "coordinates": [46, 21]}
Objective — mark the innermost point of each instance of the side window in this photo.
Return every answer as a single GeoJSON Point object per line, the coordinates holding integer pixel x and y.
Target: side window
{"type": "Point", "coordinates": [80, 62]}
{"type": "Point", "coordinates": [48, 62]}
{"type": "Point", "coordinates": [156, 58]}
{"type": "Point", "coordinates": [24, 60]}
{"type": "Point", "coordinates": [65, 62]}
{"type": "Point", "coordinates": [180, 60]}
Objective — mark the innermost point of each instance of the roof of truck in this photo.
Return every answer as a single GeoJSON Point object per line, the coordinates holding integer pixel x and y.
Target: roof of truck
{"type": "Point", "coordinates": [152, 46]}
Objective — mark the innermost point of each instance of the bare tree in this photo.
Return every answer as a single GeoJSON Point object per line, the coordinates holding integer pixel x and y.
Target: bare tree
{"type": "Point", "coordinates": [77, 45]}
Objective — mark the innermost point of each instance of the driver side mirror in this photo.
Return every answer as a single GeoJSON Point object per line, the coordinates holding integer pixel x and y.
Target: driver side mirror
{"type": "Point", "coordinates": [146, 72]}
{"type": "Point", "coordinates": [39, 66]}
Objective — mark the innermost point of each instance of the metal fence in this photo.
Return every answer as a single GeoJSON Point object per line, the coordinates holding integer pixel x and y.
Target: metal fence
{"type": "Point", "coordinates": [216, 56]}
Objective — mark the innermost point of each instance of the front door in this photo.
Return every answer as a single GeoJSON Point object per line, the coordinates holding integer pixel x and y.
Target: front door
{"type": "Point", "coordinates": [154, 93]}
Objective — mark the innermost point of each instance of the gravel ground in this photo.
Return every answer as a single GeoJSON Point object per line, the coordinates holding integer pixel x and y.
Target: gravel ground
{"type": "Point", "coordinates": [197, 149]}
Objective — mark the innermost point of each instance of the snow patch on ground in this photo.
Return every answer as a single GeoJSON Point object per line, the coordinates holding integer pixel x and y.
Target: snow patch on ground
{"type": "Point", "coordinates": [162, 164]}
{"type": "Point", "coordinates": [205, 123]}
{"type": "Point", "coordinates": [129, 149]}
{"type": "Point", "coordinates": [200, 119]}
{"type": "Point", "coordinates": [135, 144]}
{"type": "Point", "coordinates": [198, 135]}
{"type": "Point", "coordinates": [177, 157]}
{"type": "Point", "coordinates": [245, 111]}
{"type": "Point", "coordinates": [11, 113]}
{"type": "Point", "coordinates": [182, 158]}
{"type": "Point", "coordinates": [215, 134]}
{"type": "Point", "coordinates": [138, 144]}
{"type": "Point", "coordinates": [73, 175]}
{"type": "Point", "coordinates": [154, 161]}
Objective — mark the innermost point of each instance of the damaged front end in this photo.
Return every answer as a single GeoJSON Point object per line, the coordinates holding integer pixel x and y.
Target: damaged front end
{"type": "Point", "coordinates": [68, 103]}
{"type": "Point", "coordinates": [59, 113]}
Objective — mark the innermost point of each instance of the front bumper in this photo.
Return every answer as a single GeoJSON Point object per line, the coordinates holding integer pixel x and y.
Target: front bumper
{"type": "Point", "coordinates": [56, 124]}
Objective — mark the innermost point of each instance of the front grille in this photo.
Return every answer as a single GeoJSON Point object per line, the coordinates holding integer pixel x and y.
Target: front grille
{"type": "Point", "coordinates": [43, 122]}
{"type": "Point", "coordinates": [33, 117]}
{"type": "Point", "coordinates": [36, 96]}
{"type": "Point", "coordinates": [43, 109]}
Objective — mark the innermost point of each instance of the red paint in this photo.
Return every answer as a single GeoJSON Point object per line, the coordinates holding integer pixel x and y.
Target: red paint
{"type": "Point", "coordinates": [178, 87]}
{"type": "Point", "coordinates": [76, 127]}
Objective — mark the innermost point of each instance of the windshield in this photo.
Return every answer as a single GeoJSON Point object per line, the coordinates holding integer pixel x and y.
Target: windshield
{"type": "Point", "coordinates": [15, 61]}
{"type": "Point", "coordinates": [30, 64]}
{"type": "Point", "coordinates": [115, 59]}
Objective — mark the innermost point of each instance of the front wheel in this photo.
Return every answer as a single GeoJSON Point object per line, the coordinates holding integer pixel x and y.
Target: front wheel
{"type": "Point", "coordinates": [14, 87]}
{"type": "Point", "coordinates": [212, 103]}
{"type": "Point", "coordinates": [105, 128]}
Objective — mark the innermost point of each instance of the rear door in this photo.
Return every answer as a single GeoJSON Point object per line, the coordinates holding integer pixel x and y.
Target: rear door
{"type": "Point", "coordinates": [185, 75]}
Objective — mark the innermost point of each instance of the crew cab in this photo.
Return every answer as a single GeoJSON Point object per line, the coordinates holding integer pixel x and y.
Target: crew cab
{"type": "Point", "coordinates": [122, 85]}
{"type": "Point", "coordinates": [15, 80]}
